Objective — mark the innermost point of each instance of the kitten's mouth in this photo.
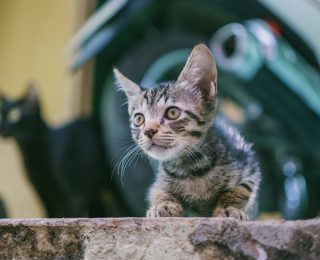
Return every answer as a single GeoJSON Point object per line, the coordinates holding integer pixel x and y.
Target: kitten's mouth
{"type": "Point", "coordinates": [154, 145]}
{"type": "Point", "coordinates": [158, 145]}
{"type": "Point", "coordinates": [160, 151]}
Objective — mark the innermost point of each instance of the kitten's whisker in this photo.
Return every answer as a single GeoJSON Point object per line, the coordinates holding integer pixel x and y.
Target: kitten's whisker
{"type": "Point", "coordinates": [134, 154]}
{"type": "Point", "coordinates": [195, 157]}
{"type": "Point", "coordinates": [197, 149]}
{"type": "Point", "coordinates": [137, 157]}
{"type": "Point", "coordinates": [124, 103]}
{"type": "Point", "coordinates": [192, 154]}
{"type": "Point", "coordinates": [200, 148]}
{"type": "Point", "coordinates": [122, 163]}
{"type": "Point", "coordinates": [127, 161]}
{"type": "Point", "coordinates": [164, 138]}
{"type": "Point", "coordinates": [123, 151]}
{"type": "Point", "coordinates": [127, 149]}
{"type": "Point", "coordinates": [189, 153]}
{"type": "Point", "coordinates": [206, 145]}
{"type": "Point", "coordinates": [205, 157]}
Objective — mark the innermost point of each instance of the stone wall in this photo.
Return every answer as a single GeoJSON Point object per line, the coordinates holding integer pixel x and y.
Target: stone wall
{"type": "Point", "coordinates": [165, 238]}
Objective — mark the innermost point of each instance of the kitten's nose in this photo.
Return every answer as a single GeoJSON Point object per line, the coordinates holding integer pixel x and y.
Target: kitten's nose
{"type": "Point", "coordinates": [150, 132]}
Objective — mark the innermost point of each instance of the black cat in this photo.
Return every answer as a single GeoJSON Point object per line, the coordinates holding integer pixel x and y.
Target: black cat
{"type": "Point", "coordinates": [65, 165]}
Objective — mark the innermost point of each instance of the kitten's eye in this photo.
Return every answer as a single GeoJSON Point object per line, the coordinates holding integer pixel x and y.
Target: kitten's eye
{"type": "Point", "coordinates": [173, 113]}
{"type": "Point", "coordinates": [138, 120]}
{"type": "Point", "coordinates": [14, 115]}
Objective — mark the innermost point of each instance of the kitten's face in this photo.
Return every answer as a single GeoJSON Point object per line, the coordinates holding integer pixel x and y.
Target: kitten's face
{"type": "Point", "coordinates": [170, 119]}
{"type": "Point", "coordinates": [18, 116]}
{"type": "Point", "coordinates": [167, 120]}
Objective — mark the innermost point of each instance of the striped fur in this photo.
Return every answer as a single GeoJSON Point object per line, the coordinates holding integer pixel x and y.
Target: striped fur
{"type": "Point", "coordinates": [205, 164]}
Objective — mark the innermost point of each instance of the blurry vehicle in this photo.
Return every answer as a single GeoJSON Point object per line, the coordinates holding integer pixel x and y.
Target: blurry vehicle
{"type": "Point", "coordinates": [269, 84]}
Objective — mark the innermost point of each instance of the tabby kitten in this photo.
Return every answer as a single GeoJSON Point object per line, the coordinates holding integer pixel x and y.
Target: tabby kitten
{"type": "Point", "coordinates": [205, 167]}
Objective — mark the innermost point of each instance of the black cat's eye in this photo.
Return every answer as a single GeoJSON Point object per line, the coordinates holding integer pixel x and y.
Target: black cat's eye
{"type": "Point", "coordinates": [138, 119]}
{"type": "Point", "coordinates": [14, 115]}
{"type": "Point", "coordinates": [172, 113]}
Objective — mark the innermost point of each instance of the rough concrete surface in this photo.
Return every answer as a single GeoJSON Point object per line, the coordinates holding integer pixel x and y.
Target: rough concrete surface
{"type": "Point", "coordinates": [164, 238]}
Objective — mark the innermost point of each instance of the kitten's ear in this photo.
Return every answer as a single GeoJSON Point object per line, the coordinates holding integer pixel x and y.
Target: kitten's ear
{"type": "Point", "coordinates": [200, 71]}
{"type": "Point", "coordinates": [31, 96]}
{"type": "Point", "coordinates": [126, 85]}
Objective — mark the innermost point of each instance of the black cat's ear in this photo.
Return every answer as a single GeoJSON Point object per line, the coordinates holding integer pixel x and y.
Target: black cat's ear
{"type": "Point", "coordinates": [200, 71]}
{"type": "Point", "coordinates": [31, 96]}
{"type": "Point", "coordinates": [126, 85]}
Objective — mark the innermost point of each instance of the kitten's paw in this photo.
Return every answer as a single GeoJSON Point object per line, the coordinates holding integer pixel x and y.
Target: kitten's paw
{"type": "Point", "coordinates": [167, 209]}
{"type": "Point", "coordinates": [231, 212]}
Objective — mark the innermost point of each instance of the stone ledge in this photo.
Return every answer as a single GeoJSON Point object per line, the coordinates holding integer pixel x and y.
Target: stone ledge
{"type": "Point", "coordinates": [165, 238]}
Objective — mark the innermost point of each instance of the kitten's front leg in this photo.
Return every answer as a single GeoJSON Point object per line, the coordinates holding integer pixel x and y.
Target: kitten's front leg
{"type": "Point", "coordinates": [232, 203]}
{"type": "Point", "coordinates": [163, 204]}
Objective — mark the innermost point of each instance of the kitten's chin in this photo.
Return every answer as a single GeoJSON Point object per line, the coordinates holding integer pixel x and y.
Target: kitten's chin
{"type": "Point", "coordinates": [161, 153]}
